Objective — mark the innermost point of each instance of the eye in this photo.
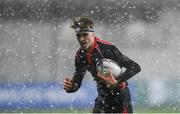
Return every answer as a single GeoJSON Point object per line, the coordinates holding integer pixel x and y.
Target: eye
{"type": "Point", "coordinates": [82, 34]}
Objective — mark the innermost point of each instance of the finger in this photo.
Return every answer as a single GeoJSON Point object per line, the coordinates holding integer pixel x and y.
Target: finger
{"type": "Point", "coordinates": [68, 84]}
{"type": "Point", "coordinates": [99, 74]}
{"type": "Point", "coordinates": [110, 71]}
{"type": "Point", "coordinates": [102, 77]}
{"type": "Point", "coordinates": [67, 87]}
{"type": "Point", "coordinates": [67, 81]}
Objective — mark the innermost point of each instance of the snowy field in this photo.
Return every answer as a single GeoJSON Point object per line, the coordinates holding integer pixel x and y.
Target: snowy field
{"type": "Point", "coordinates": [50, 97]}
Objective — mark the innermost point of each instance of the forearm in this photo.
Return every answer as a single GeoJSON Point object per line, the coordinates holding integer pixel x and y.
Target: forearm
{"type": "Point", "coordinates": [132, 69]}
{"type": "Point", "coordinates": [131, 66]}
{"type": "Point", "coordinates": [130, 72]}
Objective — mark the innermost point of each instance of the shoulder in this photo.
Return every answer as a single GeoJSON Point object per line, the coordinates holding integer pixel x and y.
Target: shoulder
{"type": "Point", "coordinates": [79, 52]}
{"type": "Point", "coordinates": [103, 42]}
{"type": "Point", "coordinates": [80, 55]}
{"type": "Point", "coordinates": [108, 46]}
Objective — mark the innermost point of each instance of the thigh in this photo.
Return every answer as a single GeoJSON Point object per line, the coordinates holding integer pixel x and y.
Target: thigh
{"type": "Point", "coordinates": [99, 106]}
{"type": "Point", "coordinates": [126, 101]}
{"type": "Point", "coordinates": [122, 102]}
{"type": "Point", "coordinates": [117, 104]}
{"type": "Point", "coordinates": [103, 105]}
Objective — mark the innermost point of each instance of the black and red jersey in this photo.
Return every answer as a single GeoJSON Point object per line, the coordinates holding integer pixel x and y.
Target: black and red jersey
{"type": "Point", "coordinates": [86, 61]}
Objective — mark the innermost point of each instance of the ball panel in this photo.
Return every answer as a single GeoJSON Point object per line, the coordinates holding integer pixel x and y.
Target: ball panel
{"type": "Point", "coordinates": [104, 65]}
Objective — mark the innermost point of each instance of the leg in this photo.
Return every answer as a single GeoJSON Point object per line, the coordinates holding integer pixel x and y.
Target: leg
{"type": "Point", "coordinates": [122, 102]}
{"type": "Point", "coordinates": [99, 106]}
{"type": "Point", "coordinates": [126, 100]}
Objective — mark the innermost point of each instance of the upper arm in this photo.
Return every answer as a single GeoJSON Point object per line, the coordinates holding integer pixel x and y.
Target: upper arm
{"type": "Point", "coordinates": [121, 59]}
{"type": "Point", "coordinates": [79, 73]}
{"type": "Point", "coordinates": [131, 66]}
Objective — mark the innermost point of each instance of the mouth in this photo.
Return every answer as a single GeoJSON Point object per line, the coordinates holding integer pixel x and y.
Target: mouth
{"type": "Point", "coordinates": [83, 44]}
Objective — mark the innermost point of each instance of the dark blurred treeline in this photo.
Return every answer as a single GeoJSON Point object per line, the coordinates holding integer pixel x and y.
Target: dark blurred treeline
{"type": "Point", "coordinates": [109, 11]}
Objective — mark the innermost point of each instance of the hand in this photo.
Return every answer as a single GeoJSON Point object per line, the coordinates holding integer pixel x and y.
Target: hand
{"type": "Point", "coordinates": [109, 79]}
{"type": "Point", "coordinates": [67, 84]}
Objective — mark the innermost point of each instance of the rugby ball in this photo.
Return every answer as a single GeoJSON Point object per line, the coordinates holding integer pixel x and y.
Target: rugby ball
{"type": "Point", "coordinates": [105, 64]}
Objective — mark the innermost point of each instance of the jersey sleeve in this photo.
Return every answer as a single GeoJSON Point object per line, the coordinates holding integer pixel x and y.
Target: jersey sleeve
{"type": "Point", "coordinates": [79, 73]}
{"type": "Point", "coordinates": [131, 66]}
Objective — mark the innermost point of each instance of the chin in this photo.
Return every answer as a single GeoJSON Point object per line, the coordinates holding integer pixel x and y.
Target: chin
{"type": "Point", "coordinates": [85, 48]}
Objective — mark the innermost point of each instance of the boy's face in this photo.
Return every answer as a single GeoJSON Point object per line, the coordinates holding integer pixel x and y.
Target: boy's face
{"type": "Point", "coordinates": [86, 40]}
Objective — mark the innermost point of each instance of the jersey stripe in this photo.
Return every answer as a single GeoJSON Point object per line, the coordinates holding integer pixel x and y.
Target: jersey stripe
{"type": "Point", "coordinates": [103, 41]}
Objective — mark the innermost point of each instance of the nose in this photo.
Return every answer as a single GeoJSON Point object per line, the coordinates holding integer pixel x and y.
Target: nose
{"type": "Point", "coordinates": [81, 38]}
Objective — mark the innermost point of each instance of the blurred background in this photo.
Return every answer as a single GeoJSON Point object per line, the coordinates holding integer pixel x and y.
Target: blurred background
{"type": "Point", "coordinates": [37, 49]}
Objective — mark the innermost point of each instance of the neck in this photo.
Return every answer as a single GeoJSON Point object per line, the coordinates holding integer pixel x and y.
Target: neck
{"type": "Point", "coordinates": [92, 45]}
